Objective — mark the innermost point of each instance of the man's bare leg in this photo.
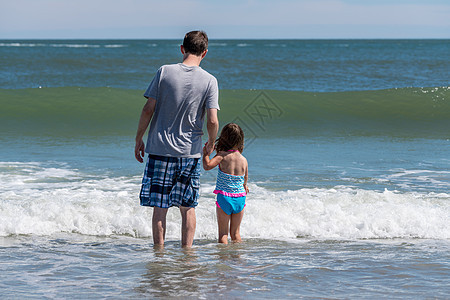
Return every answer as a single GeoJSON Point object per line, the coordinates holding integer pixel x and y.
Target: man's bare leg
{"type": "Point", "coordinates": [188, 224]}
{"type": "Point", "coordinates": [159, 225]}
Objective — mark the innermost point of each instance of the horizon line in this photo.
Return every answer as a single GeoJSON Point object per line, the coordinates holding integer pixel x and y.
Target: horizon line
{"type": "Point", "coordinates": [256, 39]}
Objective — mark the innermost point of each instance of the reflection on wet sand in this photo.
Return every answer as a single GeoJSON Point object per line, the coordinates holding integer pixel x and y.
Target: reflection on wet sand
{"type": "Point", "coordinates": [206, 270]}
{"type": "Point", "coordinates": [173, 272]}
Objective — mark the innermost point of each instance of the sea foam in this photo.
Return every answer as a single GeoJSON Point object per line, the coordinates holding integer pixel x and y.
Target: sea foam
{"type": "Point", "coordinates": [46, 200]}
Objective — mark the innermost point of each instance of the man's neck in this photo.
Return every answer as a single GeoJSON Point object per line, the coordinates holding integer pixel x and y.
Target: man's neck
{"type": "Point", "coordinates": [192, 60]}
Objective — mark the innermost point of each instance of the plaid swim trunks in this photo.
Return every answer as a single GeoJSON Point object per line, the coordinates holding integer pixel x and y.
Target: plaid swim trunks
{"type": "Point", "coordinates": [170, 181]}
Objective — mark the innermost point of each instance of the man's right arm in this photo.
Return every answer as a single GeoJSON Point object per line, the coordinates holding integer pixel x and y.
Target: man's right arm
{"type": "Point", "coordinates": [212, 125]}
{"type": "Point", "coordinates": [144, 120]}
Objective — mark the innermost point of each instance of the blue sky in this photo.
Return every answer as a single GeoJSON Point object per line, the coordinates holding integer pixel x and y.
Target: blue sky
{"type": "Point", "coordinates": [122, 19]}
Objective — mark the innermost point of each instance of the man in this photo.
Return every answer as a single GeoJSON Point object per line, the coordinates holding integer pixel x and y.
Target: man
{"type": "Point", "coordinates": [178, 98]}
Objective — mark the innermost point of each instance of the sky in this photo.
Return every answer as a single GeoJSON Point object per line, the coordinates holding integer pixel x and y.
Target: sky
{"type": "Point", "coordinates": [227, 19]}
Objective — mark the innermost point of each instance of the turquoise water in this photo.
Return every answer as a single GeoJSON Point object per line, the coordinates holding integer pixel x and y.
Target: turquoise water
{"type": "Point", "coordinates": [348, 145]}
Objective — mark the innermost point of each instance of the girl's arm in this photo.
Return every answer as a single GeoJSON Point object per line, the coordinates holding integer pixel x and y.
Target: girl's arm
{"type": "Point", "coordinates": [208, 163]}
{"type": "Point", "coordinates": [246, 177]}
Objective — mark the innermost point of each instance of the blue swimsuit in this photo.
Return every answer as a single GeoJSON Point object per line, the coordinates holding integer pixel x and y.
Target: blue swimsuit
{"type": "Point", "coordinates": [230, 192]}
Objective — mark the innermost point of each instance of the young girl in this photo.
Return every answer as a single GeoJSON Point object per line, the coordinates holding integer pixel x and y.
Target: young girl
{"type": "Point", "coordinates": [231, 186]}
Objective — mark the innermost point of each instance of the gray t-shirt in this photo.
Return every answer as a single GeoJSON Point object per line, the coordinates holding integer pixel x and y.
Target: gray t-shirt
{"type": "Point", "coordinates": [182, 95]}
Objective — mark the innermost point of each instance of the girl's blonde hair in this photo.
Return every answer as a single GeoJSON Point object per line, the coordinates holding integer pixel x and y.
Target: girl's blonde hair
{"type": "Point", "coordinates": [230, 137]}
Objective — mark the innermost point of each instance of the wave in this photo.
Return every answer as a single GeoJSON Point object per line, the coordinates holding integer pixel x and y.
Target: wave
{"type": "Point", "coordinates": [22, 45]}
{"type": "Point", "coordinates": [74, 46]}
{"type": "Point", "coordinates": [61, 45]}
{"type": "Point", "coordinates": [409, 112]}
{"type": "Point", "coordinates": [217, 44]}
{"type": "Point", "coordinates": [39, 199]}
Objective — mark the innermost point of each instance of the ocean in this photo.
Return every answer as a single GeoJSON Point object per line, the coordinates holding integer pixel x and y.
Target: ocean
{"type": "Point", "coordinates": [348, 144]}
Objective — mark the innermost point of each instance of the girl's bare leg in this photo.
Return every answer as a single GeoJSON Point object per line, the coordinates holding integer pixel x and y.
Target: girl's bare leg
{"type": "Point", "coordinates": [235, 225]}
{"type": "Point", "coordinates": [222, 220]}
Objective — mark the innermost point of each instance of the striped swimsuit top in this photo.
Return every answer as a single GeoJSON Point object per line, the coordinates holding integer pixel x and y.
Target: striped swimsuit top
{"type": "Point", "coordinates": [230, 185]}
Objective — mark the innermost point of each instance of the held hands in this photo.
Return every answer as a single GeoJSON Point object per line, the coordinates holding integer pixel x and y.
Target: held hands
{"type": "Point", "coordinates": [208, 149]}
{"type": "Point", "coordinates": [139, 151]}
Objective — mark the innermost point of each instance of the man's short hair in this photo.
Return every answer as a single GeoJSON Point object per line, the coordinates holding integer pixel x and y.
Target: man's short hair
{"type": "Point", "coordinates": [195, 42]}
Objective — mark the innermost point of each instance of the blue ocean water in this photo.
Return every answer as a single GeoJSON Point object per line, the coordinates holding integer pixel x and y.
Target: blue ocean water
{"type": "Point", "coordinates": [348, 148]}
{"type": "Point", "coordinates": [301, 65]}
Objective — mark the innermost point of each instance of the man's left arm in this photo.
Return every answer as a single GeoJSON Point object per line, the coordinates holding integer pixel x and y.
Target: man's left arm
{"type": "Point", "coordinates": [212, 125]}
{"type": "Point", "coordinates": [144, 121]}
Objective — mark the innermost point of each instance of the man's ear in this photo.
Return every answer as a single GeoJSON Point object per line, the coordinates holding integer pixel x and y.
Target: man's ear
{"type": "Point", "coordinates": [204, 53]}
{"type": "Point", "coordinates": [182, 49]}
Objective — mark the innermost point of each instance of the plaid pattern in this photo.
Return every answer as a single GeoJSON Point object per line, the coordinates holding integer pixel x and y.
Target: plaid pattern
{"type": "Point", "coordinates": [170, 181]}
